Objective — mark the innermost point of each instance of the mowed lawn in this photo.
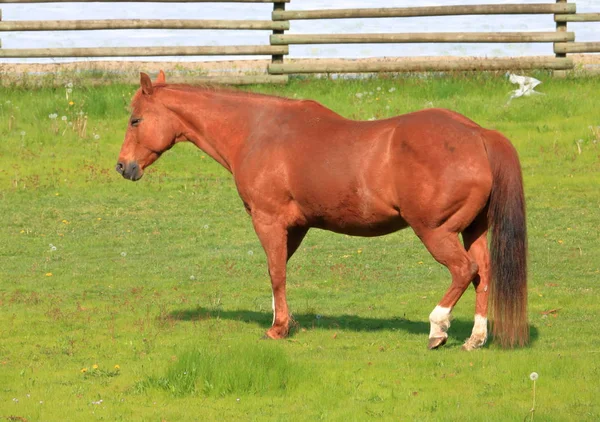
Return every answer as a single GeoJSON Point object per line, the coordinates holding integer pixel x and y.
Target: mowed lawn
{"type": "Point", "coordinates": [147, 301]}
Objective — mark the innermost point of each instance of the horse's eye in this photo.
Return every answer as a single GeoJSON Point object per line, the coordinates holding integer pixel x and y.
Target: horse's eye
{"type": "Point", "coordinates": [135, 122]}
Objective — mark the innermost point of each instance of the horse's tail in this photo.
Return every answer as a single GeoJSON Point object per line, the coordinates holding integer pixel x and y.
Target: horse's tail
{"type": "Point", "coordinates": [506, 218]}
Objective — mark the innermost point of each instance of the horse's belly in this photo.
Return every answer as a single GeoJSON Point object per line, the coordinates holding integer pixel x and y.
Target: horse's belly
{"type": "Point", "coordinates": [360, 225]}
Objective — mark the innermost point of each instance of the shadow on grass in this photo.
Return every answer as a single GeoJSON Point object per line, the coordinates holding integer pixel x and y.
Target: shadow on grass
{"type": "Point", "coordinates": [460, 328]}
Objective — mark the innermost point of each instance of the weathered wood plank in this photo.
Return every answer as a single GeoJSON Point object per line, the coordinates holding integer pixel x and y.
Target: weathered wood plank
{"type": "Point", "coordinates": [443, 64]}
{"type": "Point", "coordinates": [579, 17]}
{"type": "Point", "coordinates": [241, 50]}
{"type": "Point", "coordinates": [399, 12]}
{"type": "Point", "coordinates": [135, 80]}
{"type": "Point", "coordinates": [68, 25]}
{"type": "Point", "coordinates": [145, 1]}
{"type": "Point", "coordinates": [577, 47]}
{"type": "Point", "coordinates": [425, 37]}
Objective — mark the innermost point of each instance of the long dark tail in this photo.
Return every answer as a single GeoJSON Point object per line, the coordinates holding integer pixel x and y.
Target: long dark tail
{"type": "Point", "coordinates": [506, 218]}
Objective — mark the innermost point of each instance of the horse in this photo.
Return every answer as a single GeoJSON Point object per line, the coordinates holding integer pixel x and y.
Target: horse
{"type": "Point", "coordinates": [299, 165]}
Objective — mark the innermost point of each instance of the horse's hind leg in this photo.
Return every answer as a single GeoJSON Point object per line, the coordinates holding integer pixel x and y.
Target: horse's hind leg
{"type": "Point", "coordinates": [445, 247]}
{"type": "Point", "coordinates": [475, 240]}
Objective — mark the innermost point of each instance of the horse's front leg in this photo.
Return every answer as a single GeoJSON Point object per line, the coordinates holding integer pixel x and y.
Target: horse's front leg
{"type": "Point", "coordinates": [279, 243]}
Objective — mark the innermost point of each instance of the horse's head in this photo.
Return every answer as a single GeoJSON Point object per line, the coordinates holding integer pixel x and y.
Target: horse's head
{"type": "Point", "coordinates": [152, 130]}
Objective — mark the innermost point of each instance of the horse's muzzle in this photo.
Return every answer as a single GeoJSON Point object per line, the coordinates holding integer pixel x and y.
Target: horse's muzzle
{"type": "Point", "coordinates": [130, 170]}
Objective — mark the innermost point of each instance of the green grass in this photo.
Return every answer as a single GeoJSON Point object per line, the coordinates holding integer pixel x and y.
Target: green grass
{"type": "Point", "coordinates": [166, 276]}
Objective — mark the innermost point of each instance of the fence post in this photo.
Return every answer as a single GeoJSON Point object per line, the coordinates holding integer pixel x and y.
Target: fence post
{"type": "Point", "coordinates": [560, 27]}
{"type": "Point", "coordinates": [277, 58]}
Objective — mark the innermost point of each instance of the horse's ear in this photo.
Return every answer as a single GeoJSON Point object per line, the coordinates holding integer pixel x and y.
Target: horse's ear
{"type": "Point", "coordinates": [160, 79]}
{"type": "Point", "coordinates": [146, 84]}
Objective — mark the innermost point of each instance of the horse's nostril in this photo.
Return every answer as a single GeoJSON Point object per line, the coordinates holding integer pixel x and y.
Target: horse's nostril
{"type": "Point", "coordinates": [120, 168]}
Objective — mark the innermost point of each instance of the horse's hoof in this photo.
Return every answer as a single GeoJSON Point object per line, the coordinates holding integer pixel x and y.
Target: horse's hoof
{"type": "Point", "coordinates": [274, 335]}
{"type": "Point", "coordinates": [436, 342]}
{"type": "Point", "coordinates": [472, 344]}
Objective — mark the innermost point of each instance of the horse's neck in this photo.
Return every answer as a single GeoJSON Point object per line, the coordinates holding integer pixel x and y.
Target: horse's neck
{"type": "Point", "coordinates": [218, 122]}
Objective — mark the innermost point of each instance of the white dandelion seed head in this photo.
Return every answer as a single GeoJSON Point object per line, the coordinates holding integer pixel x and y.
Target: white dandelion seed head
{"type": "Point", "coordinates": [69, 90]}
{"type": "Point", "coordinates": [378, 88]}
{"type": "Point", "coordinates": [250, 253]}
{"type": "Point", "coordinates": [359, 95]}
{"type": "Point", "coordinates": [63, 118]}
{"type": "Point", "coordinates": [96, 136]}
{"type": "Point", "coordinates": [205, 226]}
{"type": "Point", "coordinates": [23, 133]}
{"type": "Point", "coordinates": [533, 376]}
{"type": "Point", "coordinates": [70, 85]}
{"type": "Point", "coordinates": [70, 123]}
{"type": "Point", "coordinates": [319, 316]}
{"type": "Point", "coordinates": [391, 89]}
{"type": "Point", "coordinates": [123, 254]}
{"type": "Point", "coordinates": [192, 277]}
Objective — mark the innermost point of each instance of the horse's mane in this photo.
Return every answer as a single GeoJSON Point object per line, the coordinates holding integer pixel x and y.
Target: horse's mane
{"type": "Point", "coordinates": [218, 89]}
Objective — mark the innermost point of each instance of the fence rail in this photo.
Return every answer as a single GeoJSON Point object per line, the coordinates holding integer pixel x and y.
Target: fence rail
{"type": "Point", "coordinates": [563, 40]}
{"type": "Point", "coordinates": [74, 25]}
{"type": "Point", "coordinates": [577, 47]}
{"type": "Point", "coordinates": [580, 17]}
{"type": "Point", "coordinates": [145, 1]}
{"type": "Point", "coordinates": [236, 50]}
{"type": "Point", "coordinates": [335, 66]}
{"type": "Point", "coordinates": [425, 37]}
{"type": "Point", "coordinates": [404, 12]}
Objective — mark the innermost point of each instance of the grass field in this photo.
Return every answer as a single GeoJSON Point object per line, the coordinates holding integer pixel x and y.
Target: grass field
{"type": "Point", "coordinates": [146, 301]}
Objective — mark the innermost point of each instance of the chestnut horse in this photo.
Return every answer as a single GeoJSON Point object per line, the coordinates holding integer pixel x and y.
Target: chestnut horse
{"type": "Point", "coordinates": [297, 165]}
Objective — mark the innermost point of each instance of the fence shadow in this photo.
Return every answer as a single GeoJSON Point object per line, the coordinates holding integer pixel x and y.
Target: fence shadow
{"type": "Point", "coordinates": [460, 328]}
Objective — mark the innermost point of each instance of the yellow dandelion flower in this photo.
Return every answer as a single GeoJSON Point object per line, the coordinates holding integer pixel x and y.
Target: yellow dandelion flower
{"type": "Point", "coordinates": [95, 366]}
{"type": "Point", "coordinates": [48, 274]}
{"type": "Point", "coordinates": [359, 251]}
{"type": "Point", "coordinates": [560, 241]}
{"type": "Point", "coordinates": [117, 367]}
{"type": "Point", "coordinates": [83, 370]}
{"type": "Point", "coordinates": [22, 231]}
{"type": "Point", "coordinates": [57, 194]}
{"type": "Point", "coordinates": [99, 218]}
{"type": "Point", "coordinates": [71, 103]}
{"type": "Point", "coordinates": [420, 262]}
{"type": "Point", "coordinates": [65, 222]}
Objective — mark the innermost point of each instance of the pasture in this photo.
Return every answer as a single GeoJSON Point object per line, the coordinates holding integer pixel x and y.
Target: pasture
{"type": "Point", "coordinates": [147, 301]}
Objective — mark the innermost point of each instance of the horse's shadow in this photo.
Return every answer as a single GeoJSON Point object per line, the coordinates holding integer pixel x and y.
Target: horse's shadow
{"type": "Point", "coordinates": [460, 329]}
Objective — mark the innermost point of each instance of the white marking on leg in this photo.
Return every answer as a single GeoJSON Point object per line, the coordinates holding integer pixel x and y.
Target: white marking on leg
{"type": "Point", "coordinates": [480, 327]}
{"type": "Point", "coordinates": [478, 335]}
{"type": "Point", "coordinates": [273, 306]}
{"type": "Point", "coordinates": [440, 322]}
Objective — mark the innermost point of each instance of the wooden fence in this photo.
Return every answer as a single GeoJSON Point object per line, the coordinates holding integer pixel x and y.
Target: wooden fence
{"type": "Point", "coordinates": [275, 51]}
{"type": "Point", "coordinates": [562, 39]}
